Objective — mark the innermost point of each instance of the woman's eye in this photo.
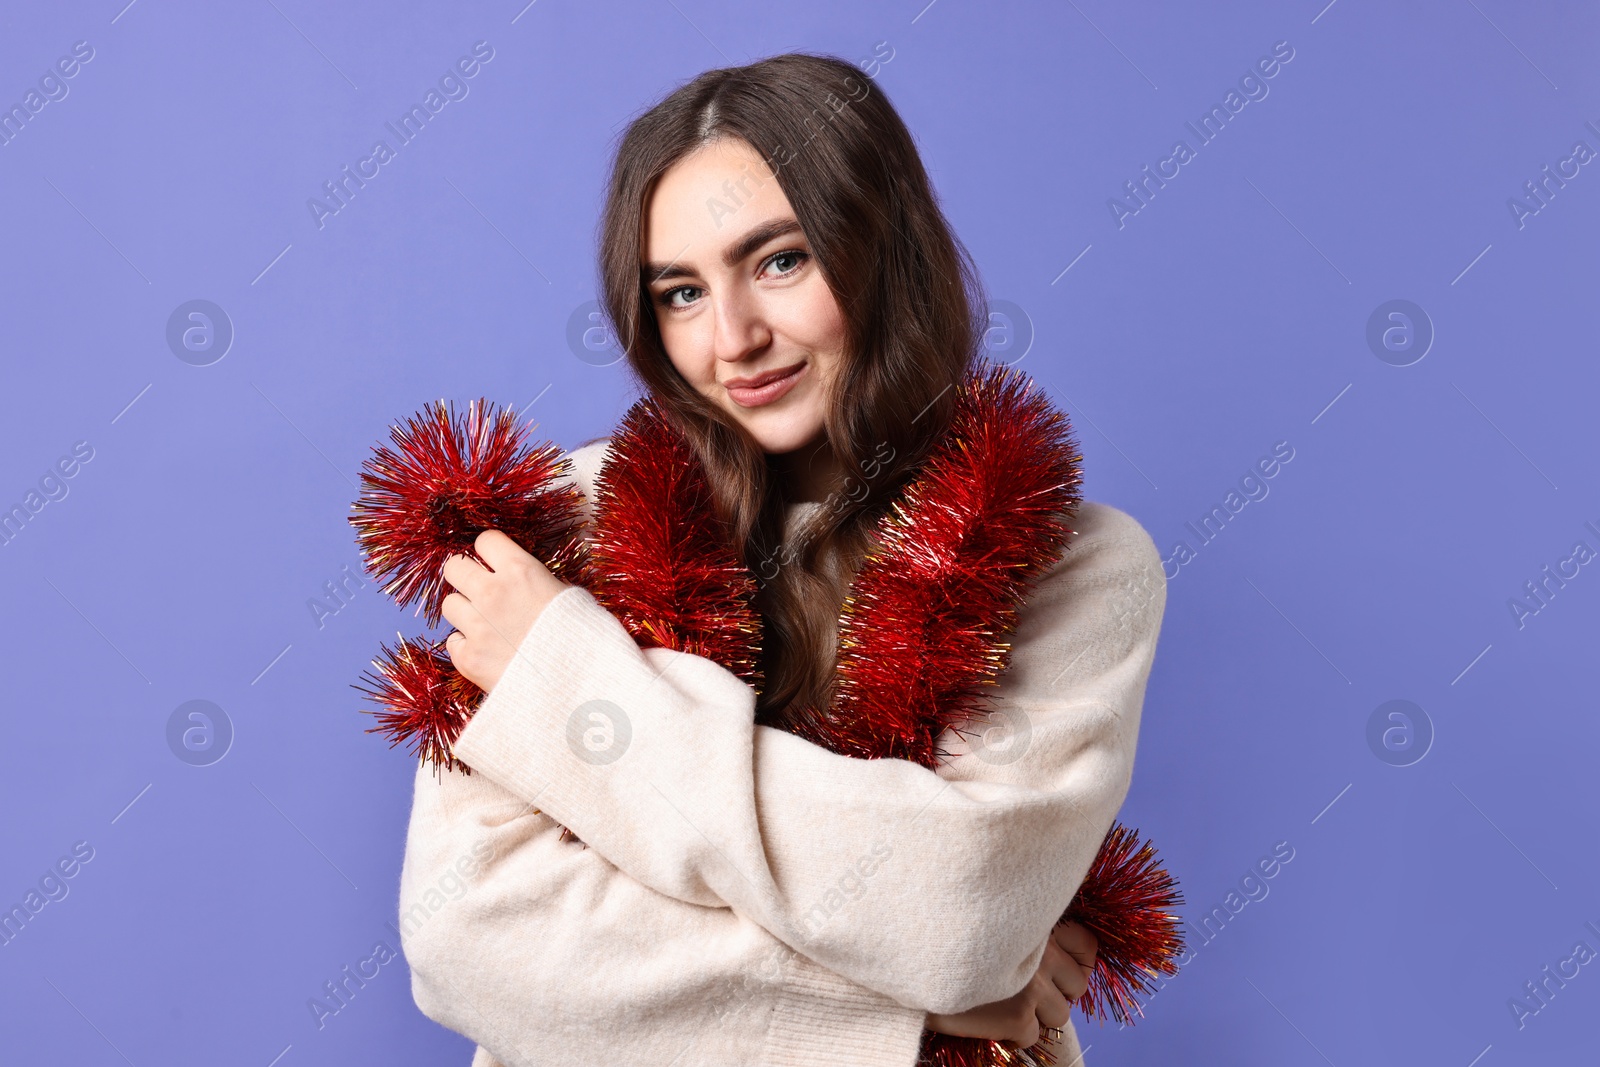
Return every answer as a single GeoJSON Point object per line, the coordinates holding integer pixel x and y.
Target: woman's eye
{"type": "Point", "coordinates": [669, 298]}
{"type": "Point", "coordinates": [787, 262]}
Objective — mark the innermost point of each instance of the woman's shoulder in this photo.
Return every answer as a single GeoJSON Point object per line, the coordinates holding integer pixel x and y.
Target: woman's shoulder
{"type": "Point", "coordinates": [1111, 534]}
{"type": "Point", "coordinates": [1110, 552]}
{"type": "Point", "coordinates": [1095, 614]}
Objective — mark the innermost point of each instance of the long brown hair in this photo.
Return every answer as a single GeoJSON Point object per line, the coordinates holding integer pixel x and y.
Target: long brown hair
{"type": "Point", "coordinates": [906, 287]}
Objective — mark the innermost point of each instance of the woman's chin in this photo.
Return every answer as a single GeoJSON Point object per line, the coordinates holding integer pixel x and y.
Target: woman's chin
{"type": "Point", "coordinates": [783, 433]}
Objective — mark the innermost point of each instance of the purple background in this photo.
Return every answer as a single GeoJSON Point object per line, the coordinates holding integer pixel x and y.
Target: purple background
{"type": "Point", "coordinates": [1228, 314]}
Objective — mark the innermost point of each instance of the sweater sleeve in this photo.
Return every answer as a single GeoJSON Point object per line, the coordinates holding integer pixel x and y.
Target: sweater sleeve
{"type": "Point", "coordinates": [937, 887]}
{"type": "Point", "coordinates": [542, 952]}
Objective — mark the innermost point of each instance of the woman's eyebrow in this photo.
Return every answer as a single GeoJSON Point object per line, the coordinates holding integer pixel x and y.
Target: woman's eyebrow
{"type": "Point", "coordinates": [752, 240]}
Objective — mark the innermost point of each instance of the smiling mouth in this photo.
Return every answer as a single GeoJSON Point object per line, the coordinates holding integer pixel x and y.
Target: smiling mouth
{"type": "Point", "coordinates": [764, 388]}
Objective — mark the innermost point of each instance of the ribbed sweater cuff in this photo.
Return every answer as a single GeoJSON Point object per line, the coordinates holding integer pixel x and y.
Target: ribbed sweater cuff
{"type": "Point", "coordinates": [825, 1020]}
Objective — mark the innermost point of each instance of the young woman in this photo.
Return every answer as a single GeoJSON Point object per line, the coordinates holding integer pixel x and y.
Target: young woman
{"type": "Point", "coordinates": [773, 254]}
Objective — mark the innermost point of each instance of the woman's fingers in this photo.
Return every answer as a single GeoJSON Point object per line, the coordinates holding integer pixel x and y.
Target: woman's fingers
{"type": "Point", "coordinates": [464, 573]}
{"type": "Point", "coordinates": [1072, 980]}
{"type": "Point", "coordinates": [459, 612]}
{"type": "Point", "coordinates": [1046, 1001]}
{"type": "Point", "coordinates": [1069, 976]}
{"type": "Point", "coordinates": [1003, 1020]}
{"type": "Point", "coordinates": [1078, 941]}
{"type": "Point", "coordinates": [1016, 1019]}
{"type": "Point", "coordinates": [500, 552]}
{"type": "Point", "coordinates": [1051, 1005]}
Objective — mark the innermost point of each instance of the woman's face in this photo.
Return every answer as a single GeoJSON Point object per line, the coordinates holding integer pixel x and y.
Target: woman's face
{"type": "Point", "coordinates": [743, 309]}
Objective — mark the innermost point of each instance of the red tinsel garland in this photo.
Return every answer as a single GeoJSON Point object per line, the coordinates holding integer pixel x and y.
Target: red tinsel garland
{"type": "Point", "coordinates": [1125, 899]}
{"type": "Point", "coordinates": [422, 699]}
{"type": "Point", "coordinates": [922, 632]}
{"type": "Point", "coordinates": [660, 559]}
{"type": "Point", "coordinates": [447, 480]}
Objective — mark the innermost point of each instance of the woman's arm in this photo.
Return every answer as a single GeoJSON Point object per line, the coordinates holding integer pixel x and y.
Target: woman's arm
{"type": "Point", "coordinates": [652, 758]}
{"type": "Point", "coordinates": [542, 952]}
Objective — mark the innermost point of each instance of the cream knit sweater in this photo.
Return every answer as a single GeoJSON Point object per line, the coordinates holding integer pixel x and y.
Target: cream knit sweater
{"type": "Point", "coordinates": [746, 897]}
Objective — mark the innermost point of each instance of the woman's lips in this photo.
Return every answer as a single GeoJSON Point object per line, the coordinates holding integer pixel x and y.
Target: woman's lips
{"type": "Point", "coordinates": [748, 396]}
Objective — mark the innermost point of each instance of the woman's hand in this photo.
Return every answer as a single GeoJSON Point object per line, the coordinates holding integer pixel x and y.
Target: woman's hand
{"type": "Point", "coordinates": [493, 609]}
{"type": "Point", "coordinates": [1063, 977]}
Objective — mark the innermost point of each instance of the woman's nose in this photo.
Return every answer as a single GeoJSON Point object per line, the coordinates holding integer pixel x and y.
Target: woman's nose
{"type": "Point", "coordinates": [740, 329]}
